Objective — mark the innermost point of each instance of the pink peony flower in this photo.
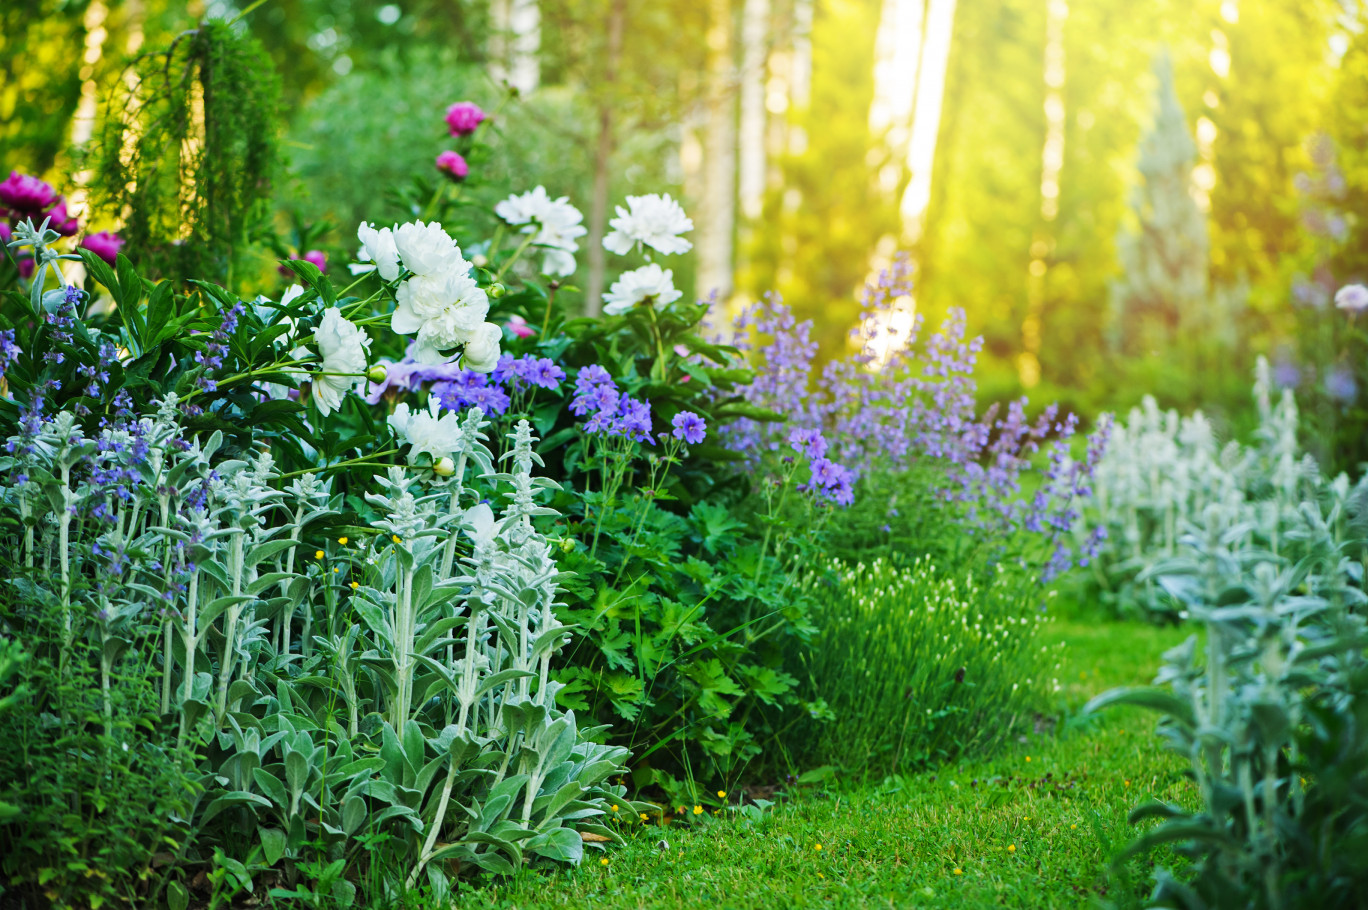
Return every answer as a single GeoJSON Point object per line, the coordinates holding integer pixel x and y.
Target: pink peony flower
{"type": "Point", "coordinates": [26, 195]}
{"type": "Point", "coordinates": [6, 233]}
{"type": "Point", "coordinates": [453, 165]}
{"type": "Point", "coordinates": [1353, 298]}
{"type": "Point", "coordinates": [61, 222]}
{"type": "Point", "coordinates": [105, 244]}
{"type": "Point", "coordinates": [518, 326]}
{"type": "Point", "coordinates": [464, 117]}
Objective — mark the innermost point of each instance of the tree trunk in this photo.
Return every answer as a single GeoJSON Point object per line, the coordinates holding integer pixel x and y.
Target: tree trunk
{"type": "Point", "coordinates": [516, 43]}
{"type": "Point", "coordinates": [603, 154]}
{"type": "Point", "coordinates": [921, 152]}
{"type": "Point", "coordinates": [718, 209]}
{"type": "Point", "coordinates": [754, 47]}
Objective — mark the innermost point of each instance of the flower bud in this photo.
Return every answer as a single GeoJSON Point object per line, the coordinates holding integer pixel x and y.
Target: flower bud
{"type": "Point", "coordinates": [495, 291]}
{"type": "Point", "coordinates": [377, 373]}
{"type": "Point", "coordinates": [444, 466]}
{"type": "Point", "coordinates": [567, 544]}
{"type": "Point", "coordinates": [479, 260]}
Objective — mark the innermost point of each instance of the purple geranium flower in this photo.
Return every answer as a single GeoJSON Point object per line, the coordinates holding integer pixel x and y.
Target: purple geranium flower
{"type": "Point", "coordinates": [689, 427]}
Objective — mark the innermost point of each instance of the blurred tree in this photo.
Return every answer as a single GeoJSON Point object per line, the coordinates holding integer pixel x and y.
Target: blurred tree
{"type": "Point", "coordinates": [824, 212]}
{"type": "Point", "coordinates": [1164, 253]}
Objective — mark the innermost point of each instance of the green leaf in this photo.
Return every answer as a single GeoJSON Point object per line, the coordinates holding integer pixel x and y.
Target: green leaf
{"type": "Point", "coordinates": [160, 307]}
{"type": "Point", "coordinates": [1154, 699]}
{"type": "Point", "coordinates": [561, 844]}
{"type": "Point", "coordinates": [98, 269]}
{"type": "Point", "coordinates": [130, 284]}
{"type": "Point", "coordinates": [1155, 809]}
{"type": "Point", "coordinates": [272, 844]}
{"type": "Point", "coordinates": [177, 895]}
{"type": "Point", "coordinates": [270, 785]}
{"type": "Point", "coordinates": [296, 772]}
{"type": "Point", "coordinates": [353, 814]}
{"type": "Point", "coordinates": [310, 275]}
{"type": "Point", "coordinates": [228, 800]}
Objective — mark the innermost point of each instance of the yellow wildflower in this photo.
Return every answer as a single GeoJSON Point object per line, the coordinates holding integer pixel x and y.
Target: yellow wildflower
{"type": "Point", "coordinates": [342, 541]}
{"type": "Point", "coordinates": [318, 554]}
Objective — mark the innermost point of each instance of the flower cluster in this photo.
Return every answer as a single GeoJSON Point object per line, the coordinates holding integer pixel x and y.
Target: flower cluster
{"type": "Point", "coordinates": [439, 300]}
{"type": "Point", "coordinates": [654, 222]}
{"type": "Point", "coordinates": [554, 223]}
{"type": "Point", "coordinates": [609, 412]}
{"type": "Point", "coordinates": [211, 358]}
{"type": "Point", "coordinates": [901, 399]}
{"type": "Point", "coordinates": [27, 198]}
{"type": "Point", "coordinates": [828, 479]}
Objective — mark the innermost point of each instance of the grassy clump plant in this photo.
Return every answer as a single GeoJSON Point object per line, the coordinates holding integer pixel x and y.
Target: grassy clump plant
{"type": "Point", "coordinates": [914, 666]}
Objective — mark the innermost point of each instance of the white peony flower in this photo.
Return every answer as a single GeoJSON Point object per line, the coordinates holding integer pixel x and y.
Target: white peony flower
{"type": "Point", "coordinates": [343, 348]}
{"type": "Point", "coordinates": [655, 221]}
{"type": "Point", "coordinates": [444, 309]}
{"type": "Point", "coordinates": [377, 247]}
{"type": "Point", "coordinates": [426, 249]}
{"type": "Point", "coordinates": [425, 432]}
{"type": "Point", "coordinates": [648, 282]}
{"type": "Point", "coordinates": [481, 352]}
{"type": "Point", "coordinates": [555, 221]}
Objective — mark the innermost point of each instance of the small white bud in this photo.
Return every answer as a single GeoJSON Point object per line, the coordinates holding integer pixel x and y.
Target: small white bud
{"type": "Point", "coordinates": [444, 466]}
{"type": "Point", "coordinates": [377, 373]}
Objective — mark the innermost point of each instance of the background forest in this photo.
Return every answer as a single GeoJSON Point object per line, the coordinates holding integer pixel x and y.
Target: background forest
{"type": "Point", "coordinates": [1121, 195]}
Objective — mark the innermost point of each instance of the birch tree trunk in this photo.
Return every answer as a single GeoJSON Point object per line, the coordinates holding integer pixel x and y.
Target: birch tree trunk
{"type": "Point", "coordinates": [718, 206]}
{"type": "Point", "coordinates": [921, 152]}
{"type": "Point", "coordinates": [516, 42]}
{"type": "Point", "coordinates": [603, 154]}
{"type": "Point", "coordinates": [754, 50]}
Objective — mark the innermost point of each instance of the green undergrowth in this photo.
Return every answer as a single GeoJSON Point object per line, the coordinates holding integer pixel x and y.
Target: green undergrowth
{"type": "Point", "coordinates": [1037, 826]}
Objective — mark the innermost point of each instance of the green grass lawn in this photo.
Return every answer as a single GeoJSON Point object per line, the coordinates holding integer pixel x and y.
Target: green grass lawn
{"type": "Point", "coordinates": [1035, 826]}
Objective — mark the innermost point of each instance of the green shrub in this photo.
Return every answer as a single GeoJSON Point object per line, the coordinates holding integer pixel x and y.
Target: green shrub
{"type": "Point", "coordinates": [912, 667]}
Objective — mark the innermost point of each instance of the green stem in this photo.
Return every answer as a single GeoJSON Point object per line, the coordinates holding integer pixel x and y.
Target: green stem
{"type": "Point", "coordinates": [350, 462]}
{"type": "Point", "coordinates": [517, 254]}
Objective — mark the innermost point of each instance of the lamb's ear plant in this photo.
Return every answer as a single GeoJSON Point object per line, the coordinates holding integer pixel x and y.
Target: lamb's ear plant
{"type": "Point", "coordinates": [1269, 711]}
{"type": "Point", "coordinates": [1164, 473]}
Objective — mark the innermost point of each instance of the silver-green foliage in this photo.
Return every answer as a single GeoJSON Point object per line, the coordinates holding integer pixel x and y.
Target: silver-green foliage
{"type": "Point", "coordinates": [1271, 711]}
{"type": "Point", "coordinates": [1164, 475]}
{"type": "Point", "coordinates": [406, 703]}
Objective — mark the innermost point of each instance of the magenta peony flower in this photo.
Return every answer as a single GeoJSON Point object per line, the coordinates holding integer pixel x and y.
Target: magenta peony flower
{"type": "Point", "coordinates": [61, 222]}
{"type": "Point", "coordinates": [26, 195]}
{"type": "Point", "coordinates": [453, 165]}
{"type": "Point", "coordinates": [26, 267]}
{"type": "Point", "coordinates": [464, 117]}
{"type": "Point", "coordinates": [6, 233]}
{"type": "Point", "coordinates": [105, 244]}
{"type": "Point", "coordinates": [518, 326]}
